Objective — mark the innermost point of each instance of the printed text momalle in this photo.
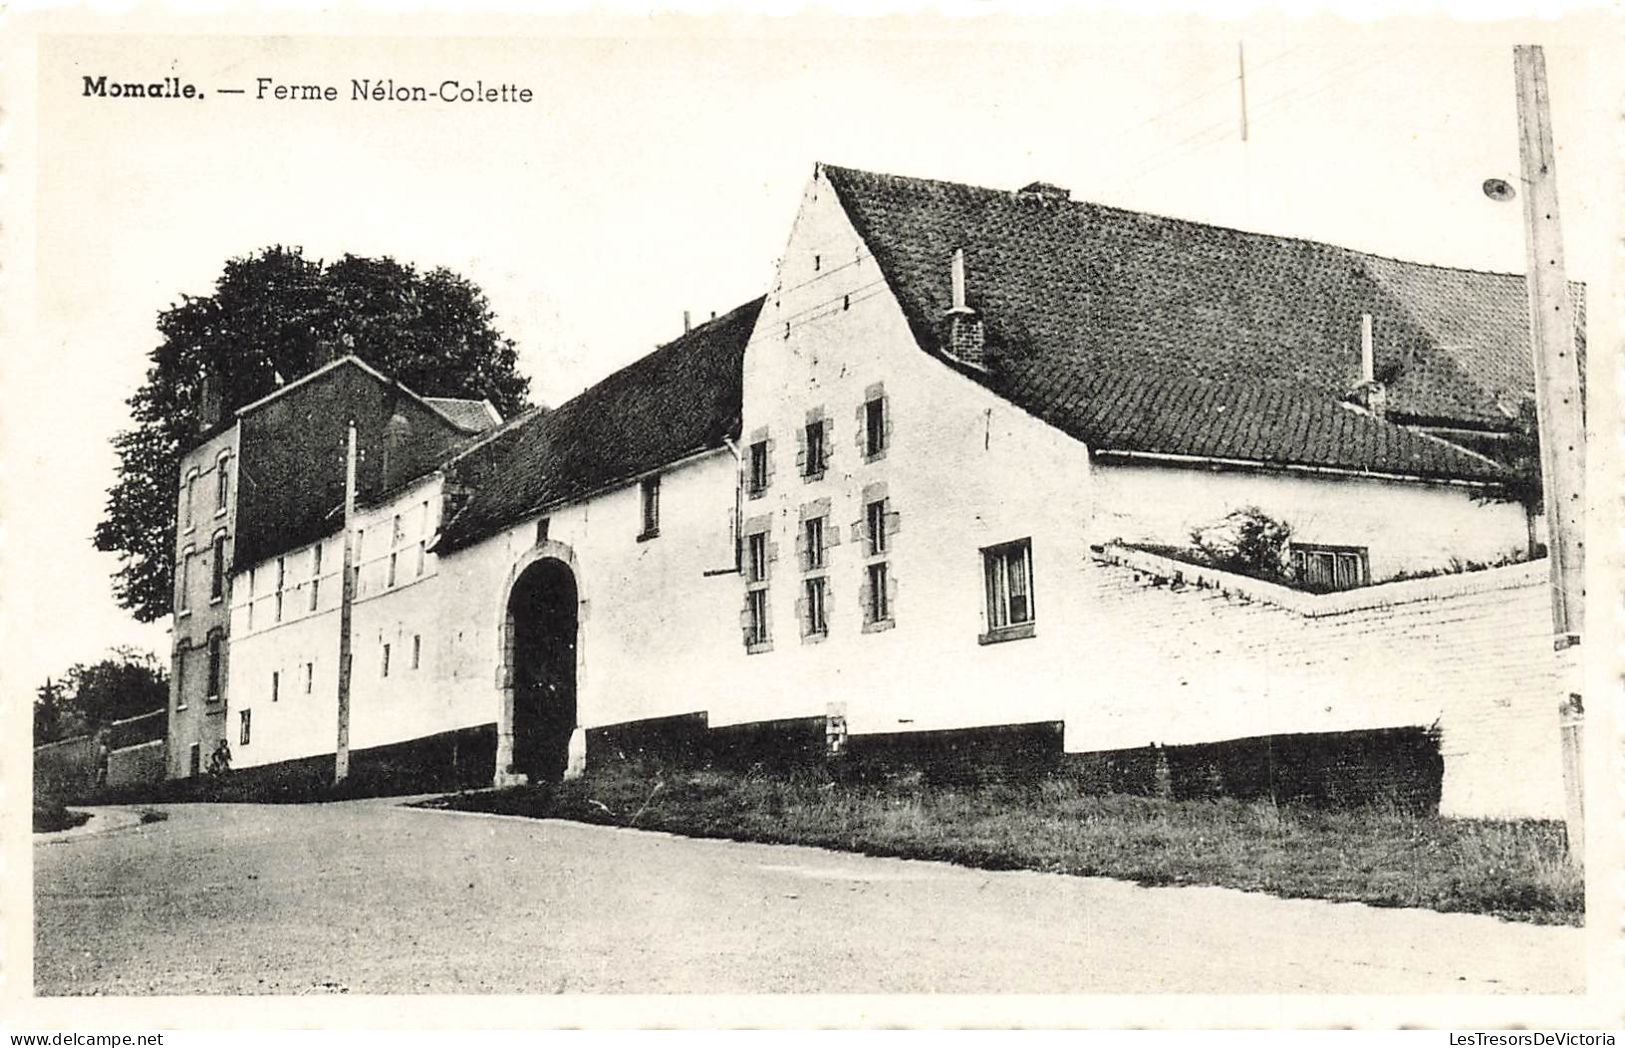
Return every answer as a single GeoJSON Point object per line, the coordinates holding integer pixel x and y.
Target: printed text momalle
{"type": "Point", "coordinates": [167, 87]}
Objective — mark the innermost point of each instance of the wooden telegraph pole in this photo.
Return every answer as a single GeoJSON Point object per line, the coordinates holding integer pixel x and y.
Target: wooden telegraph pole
{"type": "Point", "coordinates": [1561, 413]}
{"type": "Point", "coordinates": [341, 758]}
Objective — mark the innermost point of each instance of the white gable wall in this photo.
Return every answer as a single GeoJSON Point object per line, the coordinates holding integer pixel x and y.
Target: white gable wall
{"type": "Point", "coordinates": [964, 469]}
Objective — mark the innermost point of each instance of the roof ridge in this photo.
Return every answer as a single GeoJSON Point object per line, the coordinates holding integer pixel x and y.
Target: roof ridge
{"type": "Point", "coordinates": [1084, 205]}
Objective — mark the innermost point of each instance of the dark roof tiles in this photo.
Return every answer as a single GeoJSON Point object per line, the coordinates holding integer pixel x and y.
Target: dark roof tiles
{"type": "Point", "coordinates": [681, 399]}
{"type": "Point", "coordinates": [1118, 327]}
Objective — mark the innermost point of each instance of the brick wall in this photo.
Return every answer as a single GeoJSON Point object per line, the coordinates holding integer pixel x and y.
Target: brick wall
{"type": "Point", "coordinates": [1200, 656]}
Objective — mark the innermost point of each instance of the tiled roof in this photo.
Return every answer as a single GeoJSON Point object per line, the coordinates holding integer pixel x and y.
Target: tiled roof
{"type": "Point", "coordinates": [681, 399]}
{"type": "Point", "coordinates": [1135, 332]}
{"type": "Point", "coordinates": [474, 416]}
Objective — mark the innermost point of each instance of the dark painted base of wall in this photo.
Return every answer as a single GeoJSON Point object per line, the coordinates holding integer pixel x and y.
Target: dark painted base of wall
{"type": "Point", "coordinates": [688, 740]}
{"type": "Point", "coordinates": [1008, 753]}
{"type": "Point", "coordinates": [1400, 767]}
{"type": "Point", "coordinates": [453, 760]}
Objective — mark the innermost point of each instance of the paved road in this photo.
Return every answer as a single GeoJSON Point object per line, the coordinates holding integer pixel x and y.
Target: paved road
{"type": "Point", "coordinates": [368, 897]}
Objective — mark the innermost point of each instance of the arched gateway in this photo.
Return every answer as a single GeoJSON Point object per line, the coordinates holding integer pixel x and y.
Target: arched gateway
{"type": "Point", "coordinates": [540, 632]}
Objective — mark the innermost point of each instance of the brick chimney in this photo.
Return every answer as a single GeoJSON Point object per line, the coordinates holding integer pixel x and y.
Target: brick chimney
{"type": "Point", "coordinates": [397, 435]}
{"type": "Point", "coordinates": [966, 336]}
{"type": "Point", "coordinates": [210, 402]}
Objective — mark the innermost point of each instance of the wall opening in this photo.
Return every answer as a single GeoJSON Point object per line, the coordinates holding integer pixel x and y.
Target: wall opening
{"type": "Point", "coordinates": [542, 612]}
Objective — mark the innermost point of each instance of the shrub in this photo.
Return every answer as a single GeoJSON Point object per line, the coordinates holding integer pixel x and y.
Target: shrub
{"type": "Point", "coordinates": [1247, 541]}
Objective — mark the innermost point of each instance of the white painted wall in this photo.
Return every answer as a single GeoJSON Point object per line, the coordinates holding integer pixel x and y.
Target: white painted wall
{"type": "Point", "coordinates": [1406, 526]}
{"type": "Point", "coordinates": [656, 630]}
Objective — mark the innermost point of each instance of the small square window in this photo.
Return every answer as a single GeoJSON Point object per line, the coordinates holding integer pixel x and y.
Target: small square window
{"type": "Point", "coordinates": [756, 630]}
{"type": "Point", "coordinates": [874, 427]}
{"type": "Point", "coordinates": [217, 578]}
{"type": "Point", "coordinates": [758, 467]}
{"type": "Point", "coordinates": [757, 560]}
{"type": "Point", "coordinates": [879, 609]}
{"type": "Point", "coordinates": [874, 518]}
{"type": "Point", "coordinates": [816, 624]}
{"type": "Point", "coordinates": [1324, 569]}
{"type": "Point", "coordinates": [816, 452]}
{"type": "Point", "coordinates": [813, 538]}
{"type": "Point", "coordinates": [1007, 572]}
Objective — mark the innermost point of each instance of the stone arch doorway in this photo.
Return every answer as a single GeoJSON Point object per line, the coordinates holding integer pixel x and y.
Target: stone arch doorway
{"type": "Point", "coordinates": [542, 630]}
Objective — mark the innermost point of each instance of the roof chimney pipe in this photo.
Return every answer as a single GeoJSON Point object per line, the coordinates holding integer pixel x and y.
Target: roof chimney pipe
{"type": "Point", "coordinates": [688, 322]}
{"type": "Point", "coordinates": [1368, 356]}
{"type": "Point", "coordinates": [966, 336]}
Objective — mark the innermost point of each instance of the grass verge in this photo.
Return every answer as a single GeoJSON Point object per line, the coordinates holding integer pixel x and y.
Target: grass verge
{"type": "Point", "coordinates": [1513, 870]}
{"type": "Point", "coordinates": [50, 815]}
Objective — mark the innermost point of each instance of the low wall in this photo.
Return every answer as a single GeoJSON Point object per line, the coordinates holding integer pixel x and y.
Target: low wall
{"type": "Point", "coordinates": [1191, 656]}
{"type": "Point", "coordinates": [145, 762]}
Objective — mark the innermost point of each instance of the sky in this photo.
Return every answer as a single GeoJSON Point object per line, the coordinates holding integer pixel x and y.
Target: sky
{"type": "Point", "coordinates": [658, 169]}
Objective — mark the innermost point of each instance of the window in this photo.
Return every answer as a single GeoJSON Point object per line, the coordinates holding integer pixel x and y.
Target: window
{"type": "Point", "coordinates": [315, 576]}
{"type": "Point", "coordinates": [815, 624]}
{"type": "Point", "coordinates": [397, 532]}
{"type": "Point", "coordinates": [222, 481]}
{"type": "Point", "coordinates": [874, 521]}
{"type": "Point", "coordinates": [542, 529]}
{"type": "Point", "coordinates": [812, 534]}
{"type": "Point", "coordinates": [276, 685]}
{"type": "Point", "coordinates": [1325, 568]}
{"type": "Point", "coordinates": [417, 650]}
{"type": "Point", "coordinates": [874, 427]}
{"type": "Point", "coordinates": [758, 467]}
{"type": "Point", "coordinates": [878, 607]}
{"type": "Point", "coordinates": [756, 630]}
{"type": "Point", "coordinates": [180, 679]}
{"type": "Point", "coordinates": [423, 549]}
{"type": "Point", "coordinates": [194, 761]}
{"type": "Point", "coordinates": [215, 654]}
{"type": "Point", "coordinates": [1008, 573]}
{"type": "Point", "coordinates": [217, 577]}
{"type": "Point", "coordinates": [650, 491]}
{"type": "Point", "coordinates": [816, 452]}
{"type": "Point", "coordinates": [188, 492]}
{"type": "Point", "coordinates": [392, 558]}
{"type": "Point", "coordinates": [242, 727]}
{"type": "Point", "coordinates": [183, 587]}
{"type": "Point", "coordinates": [385, 662]}
{"type": "Point", "coordinates": [310, 677]}
{"type": "Point", "coordinates": [253, 578]}
{"type": "Point", "coordinates": [281, 581]}
{"type": "Point", "coordinates": [757, 560]}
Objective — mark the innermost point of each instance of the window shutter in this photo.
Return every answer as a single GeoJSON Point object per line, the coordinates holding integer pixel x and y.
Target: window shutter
{"type": "Point", "coordinates": [893, 523]}
{"type": "Point", "coordinates": [829, 442]}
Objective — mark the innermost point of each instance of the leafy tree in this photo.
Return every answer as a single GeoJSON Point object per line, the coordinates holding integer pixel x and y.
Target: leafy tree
{"type": "Point", "coordinates": [1247, 541]}
{"type": "Point", "coordinates": [1520, 454]}
{"type": "Point", "coordinates": [274, 316]}
{"type": "Point", "coordinates": [126, 684]}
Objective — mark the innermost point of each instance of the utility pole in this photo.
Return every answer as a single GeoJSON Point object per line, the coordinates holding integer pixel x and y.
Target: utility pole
{"type": "Point", "coordinates": [1561, 414]}
{"type": "Point", "coordinates": [341, 758]}
{"type": "Point", "coordinates": [1241, 67]}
